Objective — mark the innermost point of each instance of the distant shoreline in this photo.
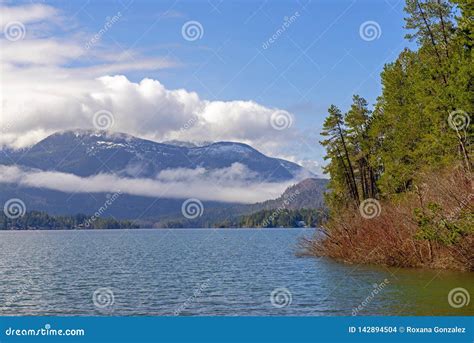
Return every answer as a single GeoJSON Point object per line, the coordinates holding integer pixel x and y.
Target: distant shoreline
{"type": "Point", "coordinates": [42, 221]}
{"type": "Point", "coordinates": [162, 228]}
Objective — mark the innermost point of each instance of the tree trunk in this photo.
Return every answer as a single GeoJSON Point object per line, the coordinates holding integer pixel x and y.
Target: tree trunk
{"type": "Point", "coordinates": [443, 27]}
{"type": "Point", "coordinates": [433, 42]}
{"type": "Point", "coordinates": [351, 170]}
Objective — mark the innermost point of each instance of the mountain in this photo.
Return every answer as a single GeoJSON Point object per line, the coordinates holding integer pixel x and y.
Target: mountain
{"type": "Point", "coordinates": [307, 194]}
{"type": "Point", "coordinates": [86, 153]}
{"type": "Point", "coordinates": [187, 144]}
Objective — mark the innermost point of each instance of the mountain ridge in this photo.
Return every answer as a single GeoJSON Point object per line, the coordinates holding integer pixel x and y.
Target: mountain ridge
{"type": "Point", "coordinates": [89, 152]}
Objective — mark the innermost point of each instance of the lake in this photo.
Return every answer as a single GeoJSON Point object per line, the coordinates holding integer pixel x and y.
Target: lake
{"type": "Point", "coordinates": [205, 272]}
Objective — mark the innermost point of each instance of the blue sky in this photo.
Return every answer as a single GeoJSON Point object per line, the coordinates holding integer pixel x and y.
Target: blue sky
{"type": "Point", "coordinates": [318, 60]}
{"type": "Point", "coordinates": [229, 62]}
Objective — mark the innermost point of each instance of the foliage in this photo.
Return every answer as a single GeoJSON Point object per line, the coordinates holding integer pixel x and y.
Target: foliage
{"type": "Point", "coordinates": [434, 226]}
{"type": "Point", "coordinates": [419, 125]}
{"type": "Point", "coordinates": [282, 218]}
{"type": "Point", "coordinates": [440, 235]}
{"type": "Point", "coordinates": [35, 220]}
{"type": "Point", "coordinates": [380, 152]}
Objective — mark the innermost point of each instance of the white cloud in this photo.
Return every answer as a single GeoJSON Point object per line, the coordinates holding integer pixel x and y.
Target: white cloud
{"type": "Point", "coordinates": [228, 183]}
{"type": "Point", "coordinates": [147, 109]}
{"type": "Point", "coordinates": [311, 165]}
{"type": "Point", "coordinates": [27, 14]}
{"type": "Point", "coordinates": [39, 52]}
{"type": "Point", "coordinates": [50, 84]}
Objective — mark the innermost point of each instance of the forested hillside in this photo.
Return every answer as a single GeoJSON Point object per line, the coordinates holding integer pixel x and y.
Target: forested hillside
{"type": "Point", "coordinates": [401, 170]}
{"type": "Point", "coordinates": [36, 220]}
{"type": "Point", "coordinates": [283, 218]}
{"type": "Point", "coordinates": [305, 195]}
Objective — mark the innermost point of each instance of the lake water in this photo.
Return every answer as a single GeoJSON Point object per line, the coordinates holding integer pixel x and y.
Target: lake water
{"type": "Point", "coordinates": [205, 272]}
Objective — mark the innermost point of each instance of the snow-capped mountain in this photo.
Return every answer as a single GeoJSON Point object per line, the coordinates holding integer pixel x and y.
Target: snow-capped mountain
{"type": "Point", "coordinates": [187, 144]}
{"type": "Point", "coordinates": [86, 153]}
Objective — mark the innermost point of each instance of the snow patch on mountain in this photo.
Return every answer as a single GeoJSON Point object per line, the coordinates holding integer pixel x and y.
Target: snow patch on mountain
{"type": "Point", "coordinates": [91, 152]}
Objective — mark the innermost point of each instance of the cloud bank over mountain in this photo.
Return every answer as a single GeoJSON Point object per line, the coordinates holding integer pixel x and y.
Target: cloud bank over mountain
{"type": "Point", "coordinates": [232, 184]}
{"type": "Point", "coordinates": [53, 82]}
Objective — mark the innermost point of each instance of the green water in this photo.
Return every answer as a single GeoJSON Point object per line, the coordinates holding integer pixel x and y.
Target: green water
{"type": "Point", "coordinates": [206, 272]}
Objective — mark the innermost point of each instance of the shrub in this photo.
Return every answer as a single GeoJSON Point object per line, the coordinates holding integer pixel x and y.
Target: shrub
{"type": "Point", "coordinates": [430, 226]}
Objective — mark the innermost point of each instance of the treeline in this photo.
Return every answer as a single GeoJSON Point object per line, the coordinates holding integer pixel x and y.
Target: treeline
{"type": "Point", "coordinates": [421, 120]}
{"type": "Point", "coordinates": [267, 218]}
{"type": "Point", "coordinates": [282, 218]}
{"type": "Point", "coordinates": [36, 220]}
{"type": "Point", "coordinates": [418, 127]}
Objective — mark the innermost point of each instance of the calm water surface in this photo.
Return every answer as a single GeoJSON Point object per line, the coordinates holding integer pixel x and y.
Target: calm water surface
{"type": "Point", "coordinates": [204, 272]}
